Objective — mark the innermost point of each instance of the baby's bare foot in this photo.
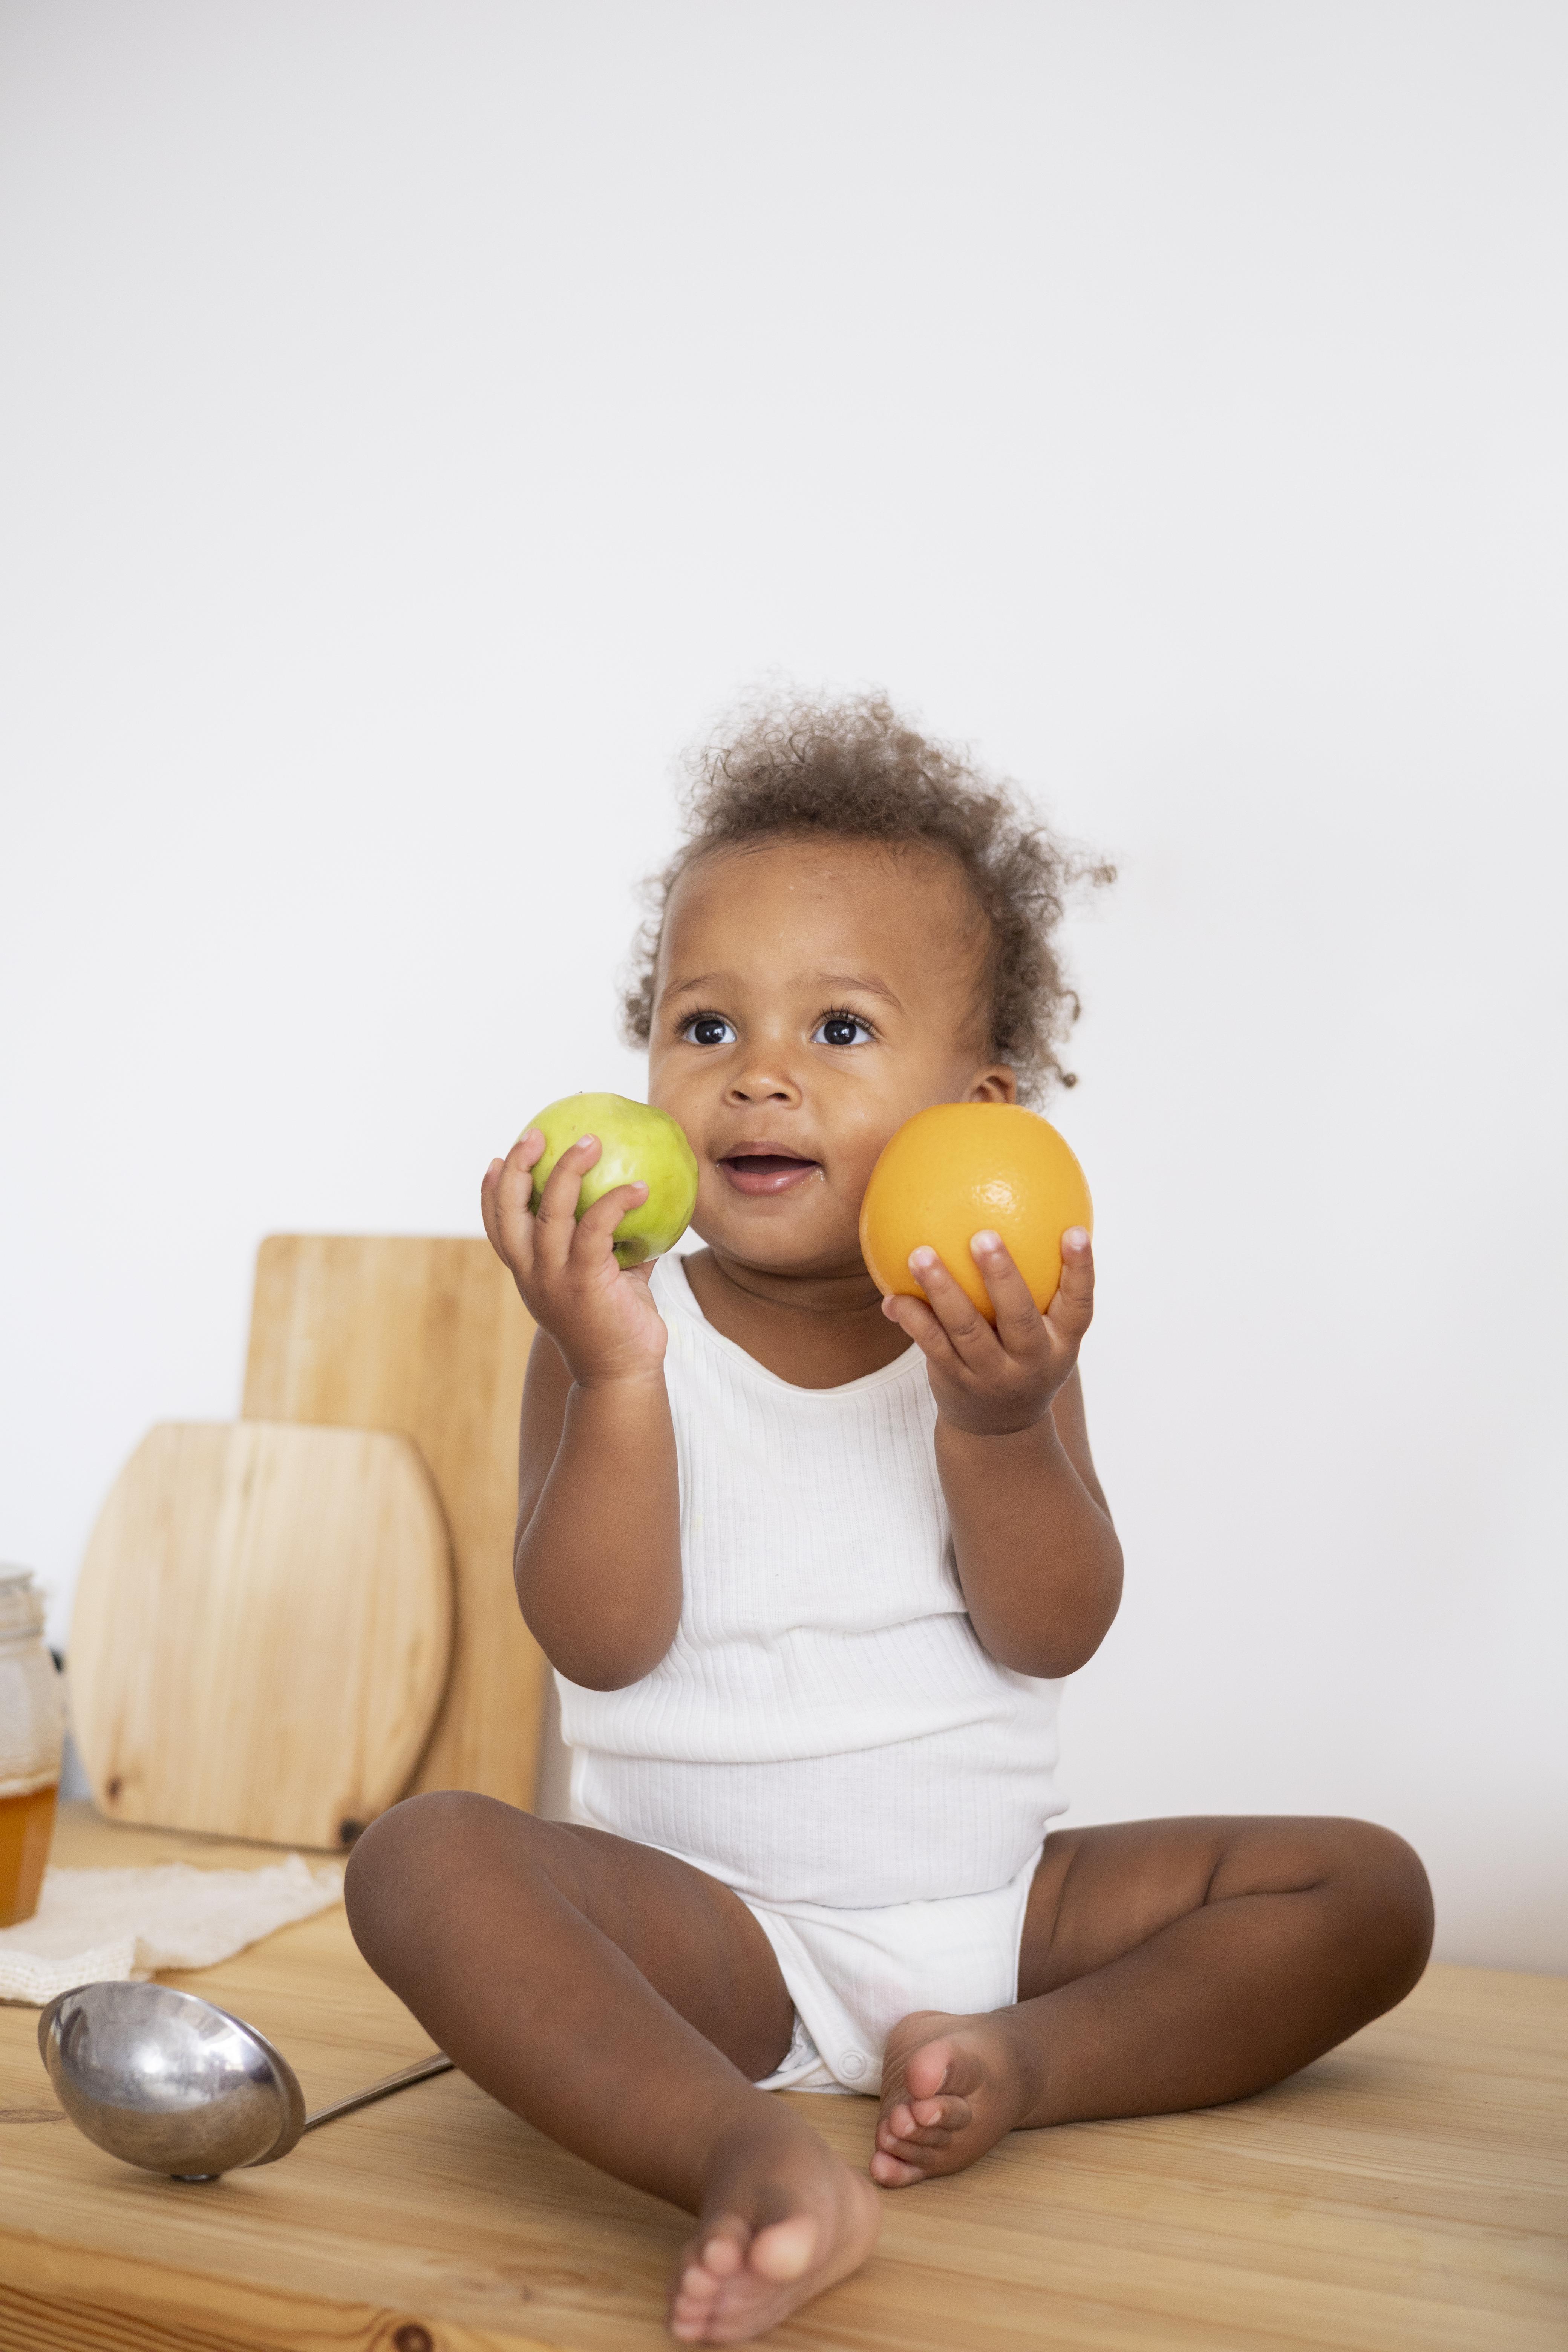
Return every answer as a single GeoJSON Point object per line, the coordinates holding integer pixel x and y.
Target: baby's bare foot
{"type": "Point", "coordinates": [950, 2087]}
{"type": "Point", "coordinates": [782, 2219]}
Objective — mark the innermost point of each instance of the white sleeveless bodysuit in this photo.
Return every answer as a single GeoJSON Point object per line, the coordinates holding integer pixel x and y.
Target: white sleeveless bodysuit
{"type": "Point", "coordinates": [826, 1734]}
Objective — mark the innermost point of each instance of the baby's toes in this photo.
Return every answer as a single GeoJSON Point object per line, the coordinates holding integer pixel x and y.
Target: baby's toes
{"type": "Point", "coordinates": [716, 2254]}
{"type": "Point", "coordinates": [928, 2123]}
{"type": "Point", "coordinates": [949, 2114]}
{"type": "Point", "coordinates": [899, 2162]}
{"type": "Point", "coordinates": [722, 2246]}
{"type": "Point", "coordinates": [691, 2305]}
{"type": "Point", "coordinates": [896, 2122]}
{"type": "Point", "coordinates": [784, 2249]}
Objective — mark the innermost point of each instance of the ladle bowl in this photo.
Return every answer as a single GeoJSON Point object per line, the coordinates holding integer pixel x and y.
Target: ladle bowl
{"type": "Point", "coordinates": [169, 2081]}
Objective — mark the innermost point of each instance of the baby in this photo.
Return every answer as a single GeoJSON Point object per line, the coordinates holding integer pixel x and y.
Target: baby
{"type": "Point", "coordinates": [811, 1565]}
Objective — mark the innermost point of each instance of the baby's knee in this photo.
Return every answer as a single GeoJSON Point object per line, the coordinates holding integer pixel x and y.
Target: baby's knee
{"type": "Point", "coordinates": [407, 1853]}
{"type": "Point", "coordinates": [1385, 1886]}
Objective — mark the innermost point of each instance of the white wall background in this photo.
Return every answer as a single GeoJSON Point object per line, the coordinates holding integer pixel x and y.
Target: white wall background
{"type": "Point", "coordinates": [416, 419]}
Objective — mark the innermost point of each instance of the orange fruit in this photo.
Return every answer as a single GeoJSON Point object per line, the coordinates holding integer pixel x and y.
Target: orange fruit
{"type": "Point", "coordinates": [963, 1168]}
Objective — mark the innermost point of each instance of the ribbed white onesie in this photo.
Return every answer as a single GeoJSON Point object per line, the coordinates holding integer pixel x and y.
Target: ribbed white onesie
{"type": "Point", "coordinates": [825, 1733]}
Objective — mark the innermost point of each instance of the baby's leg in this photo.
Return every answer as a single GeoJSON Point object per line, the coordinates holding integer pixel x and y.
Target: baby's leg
{"type": "Point", "coordinates": [624, 2004]}
{"type": "Point", "coordinates": [1164, 1965]}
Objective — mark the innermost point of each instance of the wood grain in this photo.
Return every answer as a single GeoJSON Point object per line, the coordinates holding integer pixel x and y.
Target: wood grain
{"type": "Point", "coordinates": [428, 1337]}
{"type": "Point", "coordinates": [261, 1631]}
{"type": "Point", "coordinates": [1407, 2194]}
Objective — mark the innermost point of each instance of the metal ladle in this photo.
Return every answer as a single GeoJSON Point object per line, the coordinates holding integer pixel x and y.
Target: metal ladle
{"type": "Point", "coordinates": [165, 2080]}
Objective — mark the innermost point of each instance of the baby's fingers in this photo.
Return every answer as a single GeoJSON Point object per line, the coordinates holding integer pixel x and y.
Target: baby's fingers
{"type": "Point", "coordinates": [596, 1226]}
{"type": "Point", "coordinates": [1017, 1317]}
{"type": "Point", "coordinates": [971, 1336]}
{"type": "Point", "coordinates": [504, 1196]}
{"type": "Point", "coordinates": [917, 1322]}
{"type": "Point", "coordinates": [555, 1219]}
{"type": "Point", "coordinates": [1071, 1311]}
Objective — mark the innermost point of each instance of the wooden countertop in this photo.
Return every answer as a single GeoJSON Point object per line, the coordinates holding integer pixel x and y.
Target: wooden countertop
{"type": "Point", "coordinates": [1408, 2191]}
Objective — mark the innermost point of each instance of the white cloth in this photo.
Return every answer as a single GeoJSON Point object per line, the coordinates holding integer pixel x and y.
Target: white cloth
{"type": "Point", "coordinates": [91, 1925]}
{"type": "Point", "coordinates": [825, 1733]}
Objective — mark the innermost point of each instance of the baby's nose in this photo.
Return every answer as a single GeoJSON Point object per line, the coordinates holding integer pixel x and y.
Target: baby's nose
{"type": "Point", "coordinates": [765, 1082]}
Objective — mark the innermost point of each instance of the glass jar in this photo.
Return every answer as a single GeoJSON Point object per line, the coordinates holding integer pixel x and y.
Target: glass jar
{"type": "Point", "coordinates": [32, 1731]}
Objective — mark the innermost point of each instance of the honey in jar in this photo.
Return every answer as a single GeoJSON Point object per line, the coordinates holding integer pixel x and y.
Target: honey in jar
{"type": "Point", "coordinates": [27, 1825]}
{"type": "Point", "coordinates": [31, 1732]}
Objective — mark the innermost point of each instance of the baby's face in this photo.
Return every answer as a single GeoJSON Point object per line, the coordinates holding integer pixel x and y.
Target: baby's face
{"type": "Point", "coordinates": [810, 997]}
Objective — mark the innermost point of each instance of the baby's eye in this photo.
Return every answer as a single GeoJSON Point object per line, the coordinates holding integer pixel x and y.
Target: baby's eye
{"type": "Point", "coordinates": [708, 1029]}
{"type": "Point", "coordinates": [841, 1029]}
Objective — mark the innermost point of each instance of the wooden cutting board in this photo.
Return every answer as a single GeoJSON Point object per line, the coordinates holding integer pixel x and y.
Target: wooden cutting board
{"type": "Point", "coordinates": [424, 1334]}
{"type": "Point", "coordinates": [262, 1630]}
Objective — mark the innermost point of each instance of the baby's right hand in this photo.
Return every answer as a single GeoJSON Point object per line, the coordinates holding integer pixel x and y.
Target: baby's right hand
{"type": "Point", "coordinates": [600, 1315]}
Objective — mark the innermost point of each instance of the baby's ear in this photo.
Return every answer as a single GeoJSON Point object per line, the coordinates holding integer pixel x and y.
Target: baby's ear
{"type": "Point", "coordinates": [996, 1083]}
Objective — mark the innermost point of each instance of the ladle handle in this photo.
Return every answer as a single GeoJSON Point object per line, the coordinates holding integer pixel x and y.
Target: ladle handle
{"type": "Point", "coordinates": [421, 2069]}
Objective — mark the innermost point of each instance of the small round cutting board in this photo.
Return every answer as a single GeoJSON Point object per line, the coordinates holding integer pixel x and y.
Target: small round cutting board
{"type": "Point", "coordinates": [262, 1630]}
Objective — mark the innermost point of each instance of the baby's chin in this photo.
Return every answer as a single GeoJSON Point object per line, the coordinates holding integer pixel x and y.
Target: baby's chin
{"type": "Point", "coordinates": [808, 1248]}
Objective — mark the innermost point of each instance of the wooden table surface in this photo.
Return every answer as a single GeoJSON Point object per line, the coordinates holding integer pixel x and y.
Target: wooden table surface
{"type": "Point", "coordinates": [1408, 2191]}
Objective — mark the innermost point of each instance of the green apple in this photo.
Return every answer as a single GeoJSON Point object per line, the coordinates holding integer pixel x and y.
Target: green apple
{"type": "Point", "coordinates": [638, 1145]}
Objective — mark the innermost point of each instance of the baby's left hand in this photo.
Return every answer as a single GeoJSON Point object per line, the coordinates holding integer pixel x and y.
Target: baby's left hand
{"type": "Point", "coordinates": [992, 1380]}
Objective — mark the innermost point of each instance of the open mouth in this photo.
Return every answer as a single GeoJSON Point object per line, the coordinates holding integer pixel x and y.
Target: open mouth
{"type": "Point", "coordinates": [761, 1172]}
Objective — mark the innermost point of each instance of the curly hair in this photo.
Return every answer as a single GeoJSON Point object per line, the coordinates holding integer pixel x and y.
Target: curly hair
{"type": "Point", "coordinates": [855, 770]}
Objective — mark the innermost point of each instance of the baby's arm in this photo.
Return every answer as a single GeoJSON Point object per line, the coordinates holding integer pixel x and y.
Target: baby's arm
{"type": "Point", "coordinates": [597, 1562]}
{"type": "Point", "coordinates": [1037, 1554]}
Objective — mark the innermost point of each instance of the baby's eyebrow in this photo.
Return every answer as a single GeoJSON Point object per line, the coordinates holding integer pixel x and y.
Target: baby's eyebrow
{"type": "Point", "coordinates": [861, 983]}
{"type": "Point", "coordinates": [702, 979]}
{"type": "Point", "coordinates": [715, 982]}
